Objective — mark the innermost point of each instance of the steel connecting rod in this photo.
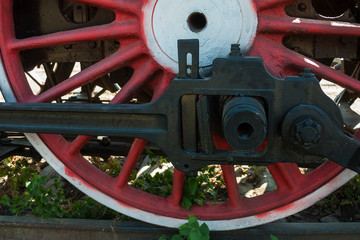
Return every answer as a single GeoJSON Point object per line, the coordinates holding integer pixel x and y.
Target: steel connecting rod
{"type": "Point", "coordinates": [258, 109]}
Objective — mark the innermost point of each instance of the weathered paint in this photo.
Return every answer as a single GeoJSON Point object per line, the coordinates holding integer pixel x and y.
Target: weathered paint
{"type": "Point", "coordinates": [228, 22]}
{"type": "Point", "coordinates": [266, 44]}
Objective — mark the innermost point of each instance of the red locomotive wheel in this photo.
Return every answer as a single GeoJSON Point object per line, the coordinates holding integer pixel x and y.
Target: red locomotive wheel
{"type": "Point", "coordinates": [147, 31]}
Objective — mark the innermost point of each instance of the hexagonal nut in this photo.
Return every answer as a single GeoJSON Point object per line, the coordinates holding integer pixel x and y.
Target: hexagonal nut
{"type": "Point", "coordinates": [307, 132]}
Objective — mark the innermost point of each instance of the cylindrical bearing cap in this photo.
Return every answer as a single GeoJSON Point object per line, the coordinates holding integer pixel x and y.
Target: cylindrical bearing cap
{"type": "Point", "coordinates": [244, 123]}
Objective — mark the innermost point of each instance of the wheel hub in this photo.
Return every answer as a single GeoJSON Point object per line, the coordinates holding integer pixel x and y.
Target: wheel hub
{"type": "Point", "coordinates": [217, 25]}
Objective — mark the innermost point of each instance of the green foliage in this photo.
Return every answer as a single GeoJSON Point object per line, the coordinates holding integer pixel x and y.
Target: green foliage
{"type": "Point", "coordinates": [156, 157]}
{"type": "Point", "coordinates": [17, 171]}
{"type": "Point", "coordinates": [90, 209]}
{"type": "Point", "coordinates": [111, 166]}
{"type": "Point", "coordinates": [24, 190]}
{"type": "Point", "coordinates": [37, 199]}
{"type": "Point", "coordinates": [191, 231]}
{"type": "Point", "coordinates": [193, 193]}
{"type": "Point", "coordinates": [349, 194]}
{"type": "Point", "coordinates": [160, 184]}
{"type": "Point", "coordinates": [272, 237]}
{"type": "Point", "coordinates": [196, 189]}
{"type": "Point", "coordinates": [351, 190]}
{"type": "Point", "coordinates": [26, 193]}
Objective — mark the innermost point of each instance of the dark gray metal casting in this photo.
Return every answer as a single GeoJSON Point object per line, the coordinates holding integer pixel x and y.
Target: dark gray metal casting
{"type": "Point", "coordinates": [182, 121]}
{"type": "Point", "coordinates": [244, 123]}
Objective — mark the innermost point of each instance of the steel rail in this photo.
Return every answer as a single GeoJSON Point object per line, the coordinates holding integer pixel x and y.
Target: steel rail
{"type": "Point", "coordinates": [26, 228]}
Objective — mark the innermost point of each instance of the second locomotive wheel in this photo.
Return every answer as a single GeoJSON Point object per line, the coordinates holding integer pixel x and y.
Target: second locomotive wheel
{"type": "Point", "coordinates": [110, 37]}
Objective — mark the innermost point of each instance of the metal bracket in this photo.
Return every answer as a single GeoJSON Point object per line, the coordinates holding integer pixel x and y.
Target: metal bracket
{"type": "Point", "coordinates": [188, 50]}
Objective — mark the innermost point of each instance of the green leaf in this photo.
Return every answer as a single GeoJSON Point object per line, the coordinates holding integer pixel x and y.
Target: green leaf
{"type": "Point", "coordinates": [176, 237]}
{"type": "Point", "coordinates": [195, 234]}
{"type": "Point", "coordinates": [193, 185]}
{"type": "Point", "coordinates": [5, 200]}
{"type": "Point", "coordinates": [201, 194]}
{"type": "Point", "coordinates": [193, 222]}
{"type": "Point", "coordinates": [199, 201]}
{"type": "Point", "coordinates": [184, 230]}
{"type": "Point", "coordinates": [205, 232]}
{"type": "Point", "coordinates": [186, 203]}
{"type": "Point", "coordinates": [213, 192]}
{"type": "Point", "coordinates": [272, 237]}
{"type": "Point", "coordinates": [162, 238]}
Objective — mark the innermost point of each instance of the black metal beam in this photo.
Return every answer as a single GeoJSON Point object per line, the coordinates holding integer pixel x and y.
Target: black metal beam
{"type": "Point", "coordinates": [170, 121]}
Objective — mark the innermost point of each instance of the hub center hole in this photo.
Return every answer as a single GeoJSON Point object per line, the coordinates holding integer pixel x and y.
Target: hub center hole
{"type": "Point", "coordinates": [197, 22]}
{"type": "Point", "coordinates": [245, 131]}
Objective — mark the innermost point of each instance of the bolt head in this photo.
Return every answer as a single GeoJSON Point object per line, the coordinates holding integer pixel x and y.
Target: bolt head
{"type": "Point", "coordinates": [307, 132]}
{"type": "Point", "coordinates": [307, 73]}
{"type": "Point", "coordinates": [235, 50]}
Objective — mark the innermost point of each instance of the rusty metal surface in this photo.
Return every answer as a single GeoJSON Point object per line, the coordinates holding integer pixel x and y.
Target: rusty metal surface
{"type": "Point", "coordinates": [26, 228]}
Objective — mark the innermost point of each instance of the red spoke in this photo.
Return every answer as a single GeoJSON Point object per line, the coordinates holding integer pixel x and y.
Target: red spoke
{"type": "Point", "coordinates": [294, 59]}
{"type": "Point", "coordinates": [163, 83]}
{"type": "Point", "coordinates": [231, 185]}
{"type": "Point", "coordinates": [177, 187]}
{"type": "Point", "coordinates": [286, 175]}
{"type": "Point", "coordinates": [288, 25]}
{"type": "Point", "coordinates": [125, 94]}
{"type": "Point", "coordinates": [112, 31]}
{"type": "Point", "coordinates": [121, 58]}
{"type": "Point", "coordinates": [6, 22]}
{"type": "Point", "coordinates": [132, 6]}
{"type": "Point", "coordinates": [130, 162]}
{"type": "Point", "coordinates": [78, 144]}
{"type": "Point", "coordinates": [276, 64]}
{"type": "Point", "coordinates": [266, 4]}
{"type": "Point", "coordinates": [141, 77]}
